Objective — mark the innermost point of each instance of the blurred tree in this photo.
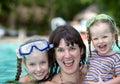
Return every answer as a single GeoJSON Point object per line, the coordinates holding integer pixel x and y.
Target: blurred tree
{"type": "Point", "coordinates": [6, 7]}
{"type": "Point", "coordinates": [109, 7]}
{"type": "Point", "coordinates": [35, 15]}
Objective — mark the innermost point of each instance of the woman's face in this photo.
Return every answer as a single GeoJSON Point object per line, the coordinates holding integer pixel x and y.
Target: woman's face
{"type": "Point", "coordinates": [68, 57]}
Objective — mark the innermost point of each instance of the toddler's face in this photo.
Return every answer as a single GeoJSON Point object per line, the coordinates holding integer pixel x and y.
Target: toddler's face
{"type": "Point", "coordinates": [37, 64]}
{"type": "Point", "coordinates": [102, 38]}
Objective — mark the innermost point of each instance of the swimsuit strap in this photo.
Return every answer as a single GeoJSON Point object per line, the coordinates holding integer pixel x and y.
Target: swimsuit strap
{"type": "Point", "coordinates": [28, 77]}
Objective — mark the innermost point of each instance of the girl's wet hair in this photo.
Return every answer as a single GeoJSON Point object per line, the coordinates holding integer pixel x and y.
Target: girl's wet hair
{"type": "Point", "coordinates": [102, 18]}
{"type": "Point", "coordinates": [22, 60]}
{"type": "Point", "coordinates": [19, 68]}
{"type": "Point", "coordinates": [71, 37]}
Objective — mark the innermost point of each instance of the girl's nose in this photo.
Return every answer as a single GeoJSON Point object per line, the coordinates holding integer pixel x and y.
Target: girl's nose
{"type": "Point", "coordinates": [100, 40]}
{"type": "Point", "coordinates": [38, 67]}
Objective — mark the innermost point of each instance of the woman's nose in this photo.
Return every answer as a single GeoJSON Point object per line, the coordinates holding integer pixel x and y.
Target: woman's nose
{"type": "Point", "coordinates": [67, 53]}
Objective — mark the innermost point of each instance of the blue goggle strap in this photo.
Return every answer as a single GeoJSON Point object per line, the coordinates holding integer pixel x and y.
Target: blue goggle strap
{"type": "Point", "coordinates": [27, 53]}
{"type": "Point", "coordinates": [18, 54]}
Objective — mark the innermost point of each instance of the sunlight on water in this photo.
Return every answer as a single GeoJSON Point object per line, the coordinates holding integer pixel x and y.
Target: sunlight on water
{"type": "Point", "coordinates": [8, 61]}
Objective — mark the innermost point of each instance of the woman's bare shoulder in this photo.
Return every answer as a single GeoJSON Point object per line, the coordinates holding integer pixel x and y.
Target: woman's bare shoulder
{"type": "Point", "coordinates": [55, 80]}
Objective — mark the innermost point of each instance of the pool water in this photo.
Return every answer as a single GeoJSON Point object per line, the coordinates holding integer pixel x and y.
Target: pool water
{"type": "Point", "coordinates": [8, 61]}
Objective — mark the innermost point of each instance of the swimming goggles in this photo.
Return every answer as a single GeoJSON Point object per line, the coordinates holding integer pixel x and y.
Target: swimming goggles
{"type": "Point", "coordinates": [26, 49]}
{"type": "Point", "coordinates": [100, 17]}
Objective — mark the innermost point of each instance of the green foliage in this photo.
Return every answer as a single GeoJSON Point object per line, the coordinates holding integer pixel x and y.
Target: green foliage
{"type": "Point", "coordinates": [6, 6]}
{"type": "Point", "coordinates": [111, 8]}
{"type": "Point", "coordinates": [30, 3]}
{"type": "Point", "coordinates": [66, 9]}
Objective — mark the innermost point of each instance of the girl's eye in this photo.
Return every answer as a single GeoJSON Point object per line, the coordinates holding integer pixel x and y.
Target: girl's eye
{"type": "Point", "coordinates": [105, 36]}
{"type": "Point", "coordinates": [32, 64]}
{"type": "Point", "coordinates": [43, 62]}
{"type": "Point", "coordinates": [94, 38]}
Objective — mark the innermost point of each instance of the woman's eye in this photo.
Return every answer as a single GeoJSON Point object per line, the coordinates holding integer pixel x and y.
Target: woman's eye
{"type": "Point", "coordinates": [60, 49]}
{"type": "Point", "coordinates": [72, 48]}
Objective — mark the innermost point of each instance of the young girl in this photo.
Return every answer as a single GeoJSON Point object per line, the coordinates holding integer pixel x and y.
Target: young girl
{"type": "Point", "coordinates": [33, 54]}
{"type": "Point", "coordinates": [104, 63]}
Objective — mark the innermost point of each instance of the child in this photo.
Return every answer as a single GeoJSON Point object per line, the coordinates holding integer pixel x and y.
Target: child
{"type": "Point", "coordinates": [33, 54]}
{"type": "Point", "coordinates": [104, 63]}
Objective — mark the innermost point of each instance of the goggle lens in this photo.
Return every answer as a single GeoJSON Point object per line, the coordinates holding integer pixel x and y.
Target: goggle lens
{"type": "Point", "coordinates": [27, 48]}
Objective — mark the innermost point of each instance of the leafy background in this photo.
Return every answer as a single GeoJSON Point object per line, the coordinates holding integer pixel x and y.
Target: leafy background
{"type": "Point", "coordinates": [35, 15]}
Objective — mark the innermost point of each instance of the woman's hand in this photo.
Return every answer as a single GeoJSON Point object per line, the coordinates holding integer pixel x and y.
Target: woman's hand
{"type": "Point", "coordinates": [100, 80]}
{"type": "Point", "coordinates": [49, 82]}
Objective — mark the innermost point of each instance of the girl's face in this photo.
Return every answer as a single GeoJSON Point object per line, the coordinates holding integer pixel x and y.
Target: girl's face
{"type": "Point", "coordinates": [37, 64]}
{"type": "Point", "coordinates": [102, 38]}
{"type": "Point", "coordinates": [68, 57]}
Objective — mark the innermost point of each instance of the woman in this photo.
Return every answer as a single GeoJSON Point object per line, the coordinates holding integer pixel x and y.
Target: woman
{"type": "Point", "coordinates": [68, 55]}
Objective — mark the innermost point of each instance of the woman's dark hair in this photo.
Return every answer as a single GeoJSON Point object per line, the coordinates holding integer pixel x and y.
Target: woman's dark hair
{"type": "Point", "coordinates": [71, 36]}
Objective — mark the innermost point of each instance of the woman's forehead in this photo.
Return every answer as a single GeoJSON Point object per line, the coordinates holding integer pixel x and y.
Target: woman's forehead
{"type": "Point", "coordinates": [64, 42]}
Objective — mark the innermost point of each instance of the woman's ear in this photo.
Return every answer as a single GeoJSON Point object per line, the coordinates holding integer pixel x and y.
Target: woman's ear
{"type": "Point", "coordinates": [81, 51]}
